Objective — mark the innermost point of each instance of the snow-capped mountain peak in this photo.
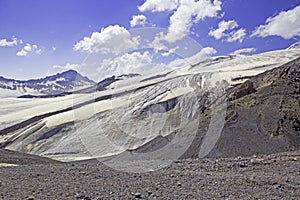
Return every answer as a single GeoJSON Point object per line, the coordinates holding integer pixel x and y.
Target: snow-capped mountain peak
{"type": "Point", "coordinates": [62, 82]}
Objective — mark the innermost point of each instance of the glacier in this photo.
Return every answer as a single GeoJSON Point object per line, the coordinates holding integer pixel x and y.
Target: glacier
{"type": "Point", "coordinates": [153, 116]}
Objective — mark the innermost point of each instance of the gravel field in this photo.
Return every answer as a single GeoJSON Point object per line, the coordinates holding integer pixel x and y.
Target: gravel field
{"type": "Point", "coordinates": [275, 176]}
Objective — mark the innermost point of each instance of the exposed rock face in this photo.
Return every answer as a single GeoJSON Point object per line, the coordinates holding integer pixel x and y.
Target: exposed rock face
{"type": "Point", "coordinates": [264, 121]}
{"type": "Point", "coordinates": [290, 73]}
{"type": "Point", "coordinates": [241, 90]}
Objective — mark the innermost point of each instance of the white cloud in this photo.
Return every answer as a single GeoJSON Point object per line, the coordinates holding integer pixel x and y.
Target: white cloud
{"type": "Point", "coordinates": [238, 35]}
{"type": "Point", "coordinates": [22, 53]}
{"type": "Point", "coordinates": [285, 24]}
{"type": "Point", "coordinates": [226, 29]}
{"type": "Point", "coordinates": [208, 51]}
{"type": "Point", "coordinates": [159, 5]}
{"type": "Point", "coordinates": [244, 51]}
{"type": "Point", "coordinates": [112, 39]}
{"type": "Point", "coordinates": [171, 51]}
{"type": "Point", "coordinates": [127, 63]}
{"type": "Point", "coordinates": [29, 49]}
{"type": "Point", "coordinates": [186, 13]}
{"type": "Point", "coordinates": [54, 49]}
{"type": "Point", "coordinates": [67, 66]}
{"type": "Point", "coordinates": [39, 51]}
{"type": "Point", "coordinates": [138, 20]}
{"type": "Point", "coordinates": [223, 26]}
{"type": "Point", "coordinates": [204, 53]}
{"type": "Point", "coordinates": [157, 44]}
{"type": "Point", "coordinates": [13, 42]}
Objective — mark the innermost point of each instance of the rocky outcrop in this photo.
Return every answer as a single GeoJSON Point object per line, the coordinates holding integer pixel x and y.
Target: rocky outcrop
{"type": "Point", "coordinates": [241, 90]}
{"type": "Point", "coordinates": [261, 118]}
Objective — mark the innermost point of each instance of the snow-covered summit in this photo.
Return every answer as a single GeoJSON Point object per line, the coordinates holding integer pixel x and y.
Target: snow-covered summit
{"type": "Point", "coordinates": [62, 82]}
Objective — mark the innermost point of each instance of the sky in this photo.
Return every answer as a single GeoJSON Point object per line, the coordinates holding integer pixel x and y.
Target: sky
{"type": "Point", "coordinates": [100, 38]}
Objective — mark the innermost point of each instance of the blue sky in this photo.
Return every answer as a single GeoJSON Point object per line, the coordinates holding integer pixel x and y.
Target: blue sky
{"type": "Point", "coordinates": [39, 38]}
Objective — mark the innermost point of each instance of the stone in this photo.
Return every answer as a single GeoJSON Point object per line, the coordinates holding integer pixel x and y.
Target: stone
{"type": "Point", "coordinates": [241, 90]}
{"type": "Point", "coordinates": [138, 195]}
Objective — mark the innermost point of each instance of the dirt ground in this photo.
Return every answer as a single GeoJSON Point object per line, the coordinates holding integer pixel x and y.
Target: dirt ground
{"type": "Point", "coordinates": [275, 176]}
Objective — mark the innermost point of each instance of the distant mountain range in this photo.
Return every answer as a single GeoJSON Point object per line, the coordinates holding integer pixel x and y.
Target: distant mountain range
{"type": "Point", "coordinates": [62, 82]}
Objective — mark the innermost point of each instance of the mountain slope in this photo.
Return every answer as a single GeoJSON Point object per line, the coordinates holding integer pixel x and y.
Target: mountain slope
{"type": "Point", "coordinates": [294, 46]}
{"type": "Point", "coordinates": [17, 158]}
{"type": "Point", "coordinates": [62, 82]}
{"type": "Point", "coordinates": [168, 115]}
{"type": "Point", "coordinates": [263, 115]}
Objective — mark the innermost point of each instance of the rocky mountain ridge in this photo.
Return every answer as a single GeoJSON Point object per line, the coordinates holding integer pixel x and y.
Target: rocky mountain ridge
{"type": "Point", "coordinates": [62, 82]}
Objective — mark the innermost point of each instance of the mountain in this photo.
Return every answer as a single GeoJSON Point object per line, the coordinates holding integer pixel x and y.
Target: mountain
{"type": "Point", "coordinates": [263, 115]}
{"type": "Point", "coordinates": [294, 46]}
{"type": "Point", "coordinates": [104, 84]}
{"type": "Point", "coordinates": [221, 107]}
{"type": "Point", "coordinates": [18, 158]}
{"type": "Point", "coordinates": [61, 82]}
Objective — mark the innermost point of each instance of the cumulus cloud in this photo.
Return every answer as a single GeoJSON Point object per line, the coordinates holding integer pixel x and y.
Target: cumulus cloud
{"type": "Point", "coordinates": [39, 51]}
{"type": "Point", "coordinates": [238, 35]}
{"type": "Point", "coordinates": [142, 63]}
{"type": "Point", "coordinates": [157, 44]}
{"type": "Point", "coordinates": [22, 53]}
{"type": "Point", "coordinates": [208, 51]}
{"type": "Point", "coordinates": [285, 24]}
{"type": "Point", "coordinates": [186, 13]}
{"type": "Point", "coordinates": [171, 51]}
{"type": "Point", "coordinates": [112, 39]}
{"type": "Point", "coordinates": [138, 20]}
{"type": "Point", "coordinates": [67, 66]}
{"type": "Point", "coordinates": [127, 63]}
{"type": "Point", "coordinates": [228, 30]}
{"type": "Point", "coordinates": [244, 51]}
{"type": "Point", "coordinates": [29, 49]}
{"type": "Point", "coordinates": [13, 42]}
{"type": "Point", "coordinates": [223, 26]}
{"type": "Point", "coordinates": [205, 52]}
{"type": "Point", "coordinates": [159, 5]}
